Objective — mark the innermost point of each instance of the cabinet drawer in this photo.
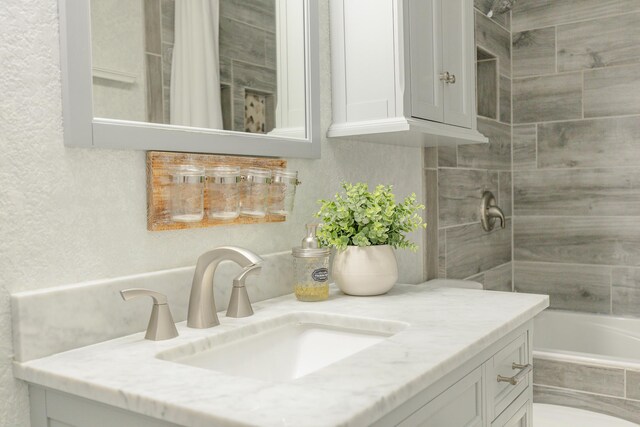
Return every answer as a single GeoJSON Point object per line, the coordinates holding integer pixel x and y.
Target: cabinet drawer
{"type": "Point", "coordinates": [510, 362]}
{"type": "Point", "coordinates": [459, 406]}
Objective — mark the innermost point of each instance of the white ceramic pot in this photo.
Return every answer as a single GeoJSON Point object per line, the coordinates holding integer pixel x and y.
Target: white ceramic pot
{"type": "Point", "coordinates": [367, 270]}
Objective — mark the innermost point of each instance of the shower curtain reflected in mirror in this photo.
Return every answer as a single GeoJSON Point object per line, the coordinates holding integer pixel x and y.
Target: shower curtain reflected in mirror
{"type": "Point", "coordinates": [195, 70]}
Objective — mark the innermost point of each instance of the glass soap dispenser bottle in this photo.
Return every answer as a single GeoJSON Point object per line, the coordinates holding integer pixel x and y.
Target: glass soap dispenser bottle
{"type": "Point", "coordinates": [311, 268]}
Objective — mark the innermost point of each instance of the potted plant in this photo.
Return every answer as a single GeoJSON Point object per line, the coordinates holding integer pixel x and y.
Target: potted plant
{"type": "Point", "coordinates": [364, 227]}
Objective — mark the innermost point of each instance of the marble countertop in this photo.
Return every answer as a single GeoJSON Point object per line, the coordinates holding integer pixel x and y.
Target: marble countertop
{"type": "Point", "coordinates": [447, 327]}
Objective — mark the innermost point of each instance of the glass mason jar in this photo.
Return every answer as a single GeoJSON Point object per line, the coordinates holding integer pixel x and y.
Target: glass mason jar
{"type": "Point", "coordinates": [255, 191]}
{"type": "Point", "coordinates": [311, 273]}
{"type": "Point", "coordinates": [223, 190]}
{"type": "Point", "coordinates": [282, 191]}
{"type": "Point", "coordinates": [186, 202]}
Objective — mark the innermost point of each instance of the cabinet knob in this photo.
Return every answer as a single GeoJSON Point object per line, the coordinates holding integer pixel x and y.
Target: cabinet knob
{"type": "Point", "coordinates": [448, 78]}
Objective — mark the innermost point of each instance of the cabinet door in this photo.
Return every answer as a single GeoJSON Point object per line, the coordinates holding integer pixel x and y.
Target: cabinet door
{"type": "Point", "coordinates": [425, 52]}
{"type": "Point", "coordinates": [461, 405]}
{"type": "Point", "coordinates": [458, 59]}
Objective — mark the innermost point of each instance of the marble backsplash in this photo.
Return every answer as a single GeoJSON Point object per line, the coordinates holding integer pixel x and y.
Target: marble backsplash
{"type": "Point", "coordinates": [53, 320]}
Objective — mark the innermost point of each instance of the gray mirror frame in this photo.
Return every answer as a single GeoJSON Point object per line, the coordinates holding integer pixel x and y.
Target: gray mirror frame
{"type": "Point", "coordinates": [81, 129]}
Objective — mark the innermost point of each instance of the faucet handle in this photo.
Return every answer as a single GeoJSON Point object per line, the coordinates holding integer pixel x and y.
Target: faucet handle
{"type": "Point", "coordinates": [496, 212]}
{"type": "Point", "coordinates": [161, 325]}
{"type": "Point", "coordinates": [489, 211]}
{"type": "Point", "coordinates": [239, 304]}
{"type": "Point", "coordinates": [255, 269]}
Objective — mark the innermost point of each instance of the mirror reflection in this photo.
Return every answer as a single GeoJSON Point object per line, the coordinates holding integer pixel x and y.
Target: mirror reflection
{"type": "Point", "coordinates": [219, 64]}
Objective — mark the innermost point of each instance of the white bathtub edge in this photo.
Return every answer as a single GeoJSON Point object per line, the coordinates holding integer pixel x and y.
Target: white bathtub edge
{"type": "Point", "coordinates": [565, 356]}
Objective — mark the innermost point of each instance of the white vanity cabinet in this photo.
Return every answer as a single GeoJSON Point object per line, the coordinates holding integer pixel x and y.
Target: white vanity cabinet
{"type": "Point", "coordinates": [472, 396]}
{"type": "Point", "coordinates": [438, 354]}
{"type": "Point", "coordinates": [403, 71]}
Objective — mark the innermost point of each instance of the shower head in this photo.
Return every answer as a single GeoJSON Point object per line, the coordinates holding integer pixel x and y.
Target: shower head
{"type": "Point", "coordinates": [500, 6]}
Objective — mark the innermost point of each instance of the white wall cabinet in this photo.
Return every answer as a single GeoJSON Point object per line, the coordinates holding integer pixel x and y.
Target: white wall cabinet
{"type": "Point", "coordinates": [403, 71]}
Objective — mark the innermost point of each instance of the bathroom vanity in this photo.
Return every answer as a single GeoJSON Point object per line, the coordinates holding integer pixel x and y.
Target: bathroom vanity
{"type": "Point", "coordinates": [419, 355]}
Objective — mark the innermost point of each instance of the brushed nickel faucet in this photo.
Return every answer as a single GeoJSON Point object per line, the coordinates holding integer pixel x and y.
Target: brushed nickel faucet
{"type": "Point", "coordinates": [489, 211]}
{"type": "Point", "coordinates": [202, 306]}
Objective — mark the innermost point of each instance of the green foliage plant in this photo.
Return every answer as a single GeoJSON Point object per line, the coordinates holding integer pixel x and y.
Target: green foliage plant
{"type": "Point", "coordinates": [358, 217]}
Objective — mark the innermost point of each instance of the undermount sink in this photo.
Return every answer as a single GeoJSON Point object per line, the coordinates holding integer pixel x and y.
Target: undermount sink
{"type": "Point", "coordinates": [285, 348]}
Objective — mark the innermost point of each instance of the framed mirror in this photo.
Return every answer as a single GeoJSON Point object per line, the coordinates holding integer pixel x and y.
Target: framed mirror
{"type": "Point", "coordinates": [206, 76]}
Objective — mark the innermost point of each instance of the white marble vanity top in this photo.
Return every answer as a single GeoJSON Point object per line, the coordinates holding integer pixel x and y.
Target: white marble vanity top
{"type": "Point", "coordinates": [446, 327]}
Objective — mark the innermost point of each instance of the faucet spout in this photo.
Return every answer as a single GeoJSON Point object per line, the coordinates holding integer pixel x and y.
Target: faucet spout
{"type": "Point", "coordinates": [202, 306]}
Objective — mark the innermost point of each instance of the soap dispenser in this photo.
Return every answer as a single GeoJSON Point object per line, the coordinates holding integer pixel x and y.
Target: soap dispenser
{"type": "Point", "coordinates": [311, 268]}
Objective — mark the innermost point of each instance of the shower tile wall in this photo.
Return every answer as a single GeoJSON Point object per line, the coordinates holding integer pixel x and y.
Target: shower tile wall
{"type": "Point", "coordinates": [612, 391]}
{"type": "Point", "coordinates": [456, 177]}
{"type": "Point", "coordinates": [247, 57]}
{"type": "Point", "coordinates": [607, 389]}
{"type": "Point", "coordinates": [576, 159]}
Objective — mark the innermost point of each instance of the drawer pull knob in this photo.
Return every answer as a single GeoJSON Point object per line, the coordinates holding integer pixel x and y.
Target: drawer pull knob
{"type": "Point", "coordinates": [517, 378]}
{"type": "Point", "coordinates": [448, 77]}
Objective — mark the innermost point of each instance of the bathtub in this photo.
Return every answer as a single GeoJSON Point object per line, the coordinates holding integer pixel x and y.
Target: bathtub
{"type": "Point", "coordinates": [588, 361]}
{"type": "Point", "coordinates": [591, 338]}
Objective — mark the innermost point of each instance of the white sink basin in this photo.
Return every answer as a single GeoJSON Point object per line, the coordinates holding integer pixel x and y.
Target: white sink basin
{"type": "Point", "coordinates": [287, 347]}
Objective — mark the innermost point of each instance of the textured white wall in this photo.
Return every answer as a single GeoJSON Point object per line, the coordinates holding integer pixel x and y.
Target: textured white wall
{"type": "Point", "coordinates": [69, 215]}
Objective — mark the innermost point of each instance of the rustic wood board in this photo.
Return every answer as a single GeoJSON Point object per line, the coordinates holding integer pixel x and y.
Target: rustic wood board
{"type": "Point", "coordinates": [159, 165]}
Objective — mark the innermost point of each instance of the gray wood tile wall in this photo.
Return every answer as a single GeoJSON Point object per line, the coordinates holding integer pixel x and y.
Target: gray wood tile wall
{"type": "Point", "coordinates": [576, 153]}
{"type": "Point", "coordinates": [456, 177]}
{"type": "Point", "coordinates": [487, 81]}
{"type": "Point", "coordinates": [612, 91]}
{"type": "Point", "coordinates": [578, 376]}
{"type": "Point", "coordinates": [534, 52]}
{"type": "Point", "coordinates": [547, 98]}
{"type": "Point", "coordinates": [566, 169]}
{"type": "Point", "coordinates": [612, 390]}
{"type": "Point", "coordinates": [598, 42]}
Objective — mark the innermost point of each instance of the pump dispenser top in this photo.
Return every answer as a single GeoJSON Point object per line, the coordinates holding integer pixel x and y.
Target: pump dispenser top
{"type": "Point", "coordinates": [310, 246]}
{"type": "Point", "coordinates": [311, 241]}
